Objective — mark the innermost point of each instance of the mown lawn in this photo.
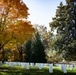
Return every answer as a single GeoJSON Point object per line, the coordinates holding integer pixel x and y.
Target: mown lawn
{"type": "Point", "coordinates": [17, 70]}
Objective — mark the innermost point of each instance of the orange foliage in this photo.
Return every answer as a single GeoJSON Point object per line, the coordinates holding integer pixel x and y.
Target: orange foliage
{"type": "Point", "coordinates": [13, 8]}
{"type": "Point", "coordinates": [10, 25]}
{"type": "Point", "coordinates": [21, 31]}
{"type": "Point", "coordinates": [13, 30]}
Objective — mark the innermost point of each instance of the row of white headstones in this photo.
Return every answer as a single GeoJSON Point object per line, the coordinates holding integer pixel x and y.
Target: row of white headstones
{"type": "Point", "coordinates": [41, 65]}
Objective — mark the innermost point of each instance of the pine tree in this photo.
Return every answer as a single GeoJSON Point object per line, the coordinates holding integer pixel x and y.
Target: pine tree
{"type": "Point", "coordinates": [65, 23]}
{"type": "Point", "coordinates": [39, 49]}
{"type": "Point", "coordinates": [27, 50]}
{"type": "Point", "coordinates": [35, 50]}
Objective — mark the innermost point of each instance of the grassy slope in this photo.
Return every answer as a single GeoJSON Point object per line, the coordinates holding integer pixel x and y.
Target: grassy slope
{"type": "Point", "coordinates": [5, 70]}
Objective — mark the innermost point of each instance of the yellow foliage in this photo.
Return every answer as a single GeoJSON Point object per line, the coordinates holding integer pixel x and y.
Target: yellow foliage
{"type": "Point", "coordinates": [13, 30]}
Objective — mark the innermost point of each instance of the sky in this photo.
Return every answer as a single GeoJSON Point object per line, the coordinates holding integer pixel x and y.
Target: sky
{"type": "Point", "coordinates": [42, 11]}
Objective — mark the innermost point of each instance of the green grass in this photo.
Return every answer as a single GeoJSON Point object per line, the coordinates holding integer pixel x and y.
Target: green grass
{"type": "Point", "coordinates": [17, 70]}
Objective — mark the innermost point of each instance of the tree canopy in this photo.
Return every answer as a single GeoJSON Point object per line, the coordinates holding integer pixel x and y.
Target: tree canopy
{"type": "Point", "coordinates": [65, 23]}
{"type": "Point", "coordinates": [13, 29]}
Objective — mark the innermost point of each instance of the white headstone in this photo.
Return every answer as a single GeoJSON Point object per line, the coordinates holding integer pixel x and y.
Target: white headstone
{"type": "Point", "coordinates": [18, 63]}
{"type": "Point", "coordinates": [64, 68]}
{"type": "Point", "coordinates": [0, 63]}
{"type": "Point", "coordinates": [71, 67]}
{"type": "Point", "coordinates": [56, 64]}
{"type": "Point", "coordinates": [32, 64]}
{"type": "Point", "coordinates": [6, 62]}
{"type": "Point", "coordinates": [74, 65]}
{"type": "Point", "coordinates": [22, 65]}
{"type": "Point", "coordinates": [27, 66]}
{"type": "Point", "coordinates": [25, 63]}
{"type": "Point", "coordinates": [40, 65]}
{"type": "Point", "coordinates": [68, 65]}
{"type": "Point", "coordinates": [11, 64]}
{"type": "Point", "coordinates": [46, 64]}
{"type": "Point", "coordinates": [15, 63]}
{"type": "Point", "coordinates": [51, 68]}
{"type": "Point", "coordinates": [36, 64]}
{"type": "Point", "coordinates": [60, 66]}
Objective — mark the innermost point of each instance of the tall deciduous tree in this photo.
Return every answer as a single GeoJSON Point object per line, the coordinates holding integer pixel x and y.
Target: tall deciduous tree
{"type": "Point", "coordinates": [65, 23]}
{"type": "Point", "coordinates": [12, 29]}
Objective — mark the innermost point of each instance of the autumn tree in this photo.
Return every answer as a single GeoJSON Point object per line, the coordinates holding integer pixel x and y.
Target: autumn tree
{"type": "Point", "coordinates": [13, 29]}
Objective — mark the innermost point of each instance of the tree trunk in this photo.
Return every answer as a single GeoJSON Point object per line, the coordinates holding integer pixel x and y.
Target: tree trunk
{"type": "Point", "coordinates": [3, 53]}
{"type": "Point", "coordinates": [0, 46]}
{"type": "Point", "coordinates": [21, 56]}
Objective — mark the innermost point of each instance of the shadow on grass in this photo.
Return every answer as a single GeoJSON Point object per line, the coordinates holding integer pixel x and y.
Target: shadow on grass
{"type": "Point", "coordinates": [33, 71]}
{"type": "Point", "coordinates": [22, 71]}
{"type": "Point", "coordinates": [57, 71]}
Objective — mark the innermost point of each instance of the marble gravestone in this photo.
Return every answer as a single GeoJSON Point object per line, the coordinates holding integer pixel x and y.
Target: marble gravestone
{"type": "Point", "coordinates": [50, 68]}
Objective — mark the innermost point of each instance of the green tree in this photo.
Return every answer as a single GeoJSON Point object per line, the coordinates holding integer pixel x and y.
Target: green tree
{"type": "Point", "coordinates": [35, 50]}
{"type": "Point", "coordinates": [27, 50]}
{"type": "Point", "coordinates": [65, 23]}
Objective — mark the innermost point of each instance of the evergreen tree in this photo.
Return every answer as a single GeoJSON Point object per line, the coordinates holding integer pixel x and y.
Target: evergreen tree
{"type": "Point", "coordinates": [65, 23]}
{"type": "Point", "coordinates": [39, 49]}
{"type": "Point", "coordinates": [35, 50]}
{"type": "Point", "coordinates": [27, 49]}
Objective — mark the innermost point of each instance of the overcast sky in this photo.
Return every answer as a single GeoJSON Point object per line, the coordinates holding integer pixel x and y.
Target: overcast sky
{"type": "Point", "coordinates": [42, 11]}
